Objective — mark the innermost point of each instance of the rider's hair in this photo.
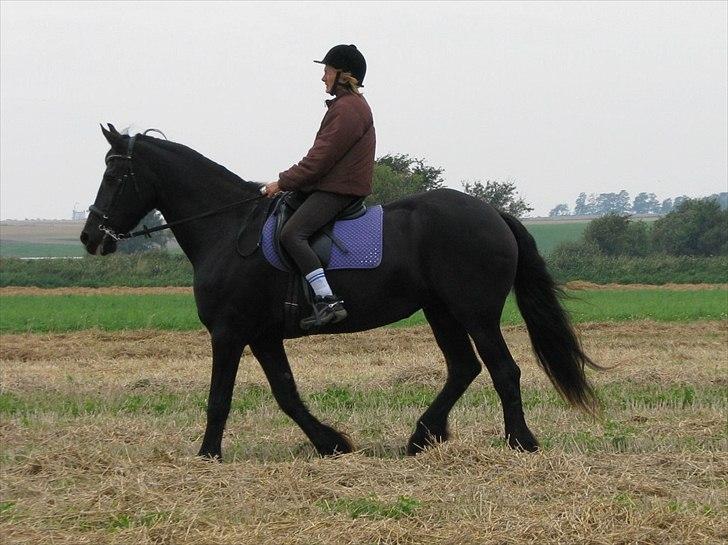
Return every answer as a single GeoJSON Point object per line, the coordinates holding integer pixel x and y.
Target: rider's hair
{"type": "Point", "coordinates": [349, 82]}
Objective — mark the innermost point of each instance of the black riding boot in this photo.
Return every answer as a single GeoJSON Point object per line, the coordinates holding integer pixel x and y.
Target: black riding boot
{"type": "Point", "coordinates": [326, 310]}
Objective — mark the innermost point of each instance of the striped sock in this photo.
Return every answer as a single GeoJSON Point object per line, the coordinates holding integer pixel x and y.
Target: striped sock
{"type": "Point", "coordinates": [318, 283]}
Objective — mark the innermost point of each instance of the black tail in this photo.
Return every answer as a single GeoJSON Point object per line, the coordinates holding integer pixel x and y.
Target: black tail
{"type": "Point", "coordinates": [553, 338]}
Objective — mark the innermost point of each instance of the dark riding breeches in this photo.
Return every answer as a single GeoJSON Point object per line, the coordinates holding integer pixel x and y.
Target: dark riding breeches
{"type": "Point", "coordinates": [316, 211]}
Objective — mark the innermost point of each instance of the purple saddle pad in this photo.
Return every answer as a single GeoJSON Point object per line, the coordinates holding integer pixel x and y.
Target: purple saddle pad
{"type": "Point", "coordinates": [361, 236]}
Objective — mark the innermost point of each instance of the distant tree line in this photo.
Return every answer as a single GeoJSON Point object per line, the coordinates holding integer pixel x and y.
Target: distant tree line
{"type": "Point", "coordinates": [696, 227]}
{"type": "Point", "coordinates": [620, 203]}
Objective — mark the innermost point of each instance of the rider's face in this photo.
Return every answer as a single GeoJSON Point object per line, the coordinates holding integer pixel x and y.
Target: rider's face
{"type": "Point", "coordinates": [329, 77]}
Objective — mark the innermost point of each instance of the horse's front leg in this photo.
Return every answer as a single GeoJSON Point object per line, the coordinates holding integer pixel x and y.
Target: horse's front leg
{"type": "Point", "coordinates": [273, 359]}
{"type": "Point", "coordinates": [226, 351]}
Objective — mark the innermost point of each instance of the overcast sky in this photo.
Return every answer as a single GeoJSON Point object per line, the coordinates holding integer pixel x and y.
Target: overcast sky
{"type": "Point", "coordinates": [560, 97]}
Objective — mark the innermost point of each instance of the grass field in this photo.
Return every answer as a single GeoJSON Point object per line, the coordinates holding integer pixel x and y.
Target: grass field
{"type": "Point", "coordinates": [99, 431]}
{"type": "Point", "coordinates": [99, 427]}
{"type": "Point", "coordinates": [12, 248]}
{"type": "Point", "coordinates": [550, 235]}
{"type": "Point", "coordinates": [177, 311]}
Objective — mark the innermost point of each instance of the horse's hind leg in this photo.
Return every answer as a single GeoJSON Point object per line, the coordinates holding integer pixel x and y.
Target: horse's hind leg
{"type": "Point", "coordinates": [506, 378]}
{"type": "Point", "coordinates": [462, 368]}
{"type": "Point", "coordinates": [272, 357]}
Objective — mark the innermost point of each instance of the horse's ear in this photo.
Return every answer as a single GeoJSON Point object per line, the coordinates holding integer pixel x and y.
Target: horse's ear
{"type": "Point", "coordinates": [112, 136]}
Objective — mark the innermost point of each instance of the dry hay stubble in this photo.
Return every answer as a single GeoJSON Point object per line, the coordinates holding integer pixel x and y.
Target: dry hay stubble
{"type": "Point", "coordinates": [141, 483]}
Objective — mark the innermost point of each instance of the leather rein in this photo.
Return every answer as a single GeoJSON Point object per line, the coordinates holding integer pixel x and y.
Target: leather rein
{"type": "Point", "coordinates": [146, 231]}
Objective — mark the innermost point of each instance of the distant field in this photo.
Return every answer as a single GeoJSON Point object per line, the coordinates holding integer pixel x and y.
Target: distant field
{"type": "Point", "coordinates": [13, 248]}
{"type": "Point", "coordinates": [56, 313]}
{"type": "Point", "coordinates": [44, 239]}
{"type": "Point", "coordinates": [549, 235]}
{"type": "Point", "coordinates": [60, 239]}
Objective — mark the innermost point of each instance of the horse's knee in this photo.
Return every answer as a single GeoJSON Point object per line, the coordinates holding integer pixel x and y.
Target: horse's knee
{"type": "Point", "coordinates": [472, 371]}
{"type": "Point", "coordinates": [465, 371]}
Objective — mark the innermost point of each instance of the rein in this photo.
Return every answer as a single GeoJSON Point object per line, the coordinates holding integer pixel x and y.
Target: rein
{"type": "Point", "coordinates": [146, 231]}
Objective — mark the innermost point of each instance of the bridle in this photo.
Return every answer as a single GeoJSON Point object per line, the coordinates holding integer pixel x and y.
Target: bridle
{"type": "Point", "coordinates": [104, 214]}
{"type": "Point", "coordinates": [122, 180]}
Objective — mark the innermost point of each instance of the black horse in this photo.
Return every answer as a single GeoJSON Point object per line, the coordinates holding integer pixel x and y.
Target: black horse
{"type": "Point", "coordinates": [449, 254]}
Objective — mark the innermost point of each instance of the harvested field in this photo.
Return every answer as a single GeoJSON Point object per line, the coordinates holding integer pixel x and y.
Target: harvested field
{"type": "Point", "coordinates": [99, 431]}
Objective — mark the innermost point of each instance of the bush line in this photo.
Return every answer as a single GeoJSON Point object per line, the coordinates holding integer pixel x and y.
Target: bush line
{"type": "Point", "coordinates": [159, 269]}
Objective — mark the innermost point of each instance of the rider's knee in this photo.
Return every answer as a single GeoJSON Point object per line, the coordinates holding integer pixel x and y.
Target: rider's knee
{"type": "Point", "coordinates": [289, 237]}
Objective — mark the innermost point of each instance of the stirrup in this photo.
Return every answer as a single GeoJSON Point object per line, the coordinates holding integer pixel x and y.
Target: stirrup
{"type": "Point", "coordinates": [328, 310]}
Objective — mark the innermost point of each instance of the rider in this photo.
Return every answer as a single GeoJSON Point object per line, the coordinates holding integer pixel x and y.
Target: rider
{"type": "Point", "coordinates": [336, 171]}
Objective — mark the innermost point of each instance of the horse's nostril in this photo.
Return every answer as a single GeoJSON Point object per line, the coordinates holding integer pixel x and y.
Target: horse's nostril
{"type": "Point", "coordinates": [84, 237]}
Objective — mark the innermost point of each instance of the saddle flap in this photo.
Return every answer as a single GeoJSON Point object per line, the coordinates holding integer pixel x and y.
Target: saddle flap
{"type": "Point", "coordinates": [251, 229]}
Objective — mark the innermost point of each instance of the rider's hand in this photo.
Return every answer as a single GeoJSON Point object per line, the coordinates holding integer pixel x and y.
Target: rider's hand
{"type": "Point", "coordinates": [272, 189]}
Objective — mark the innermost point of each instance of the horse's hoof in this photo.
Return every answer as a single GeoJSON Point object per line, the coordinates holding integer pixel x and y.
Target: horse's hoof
{"type": "Point", "coordinates": [527, 443]}
{"type": "Point", "coordinates": [210, 456]}
{"type": "Point", "coordinates": [334, 443]}
{"type": "Point", "coordinates": [424, 438]}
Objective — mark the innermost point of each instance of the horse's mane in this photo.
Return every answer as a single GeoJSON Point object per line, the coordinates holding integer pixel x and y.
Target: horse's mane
{"type": "Point", "coordinates": [195, 156]}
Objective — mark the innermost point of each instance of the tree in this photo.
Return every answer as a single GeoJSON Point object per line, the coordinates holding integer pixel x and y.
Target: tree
{"type": "Point", "coordinates": [158, 240]}
{"type": "Point", "coordinates": [397, 176]}
{"type": "Point", "coordinates": [559, 210]}
{"type": "Point", "coordinates": [721, 199]}
{"type": "Point", "coordinates": [666, 206]}
{"type": "Point", "coordinates": [646, 203]}
{"type": "Point", "coordinates": [617, 203]}
{"type": "Point", "coordinates": [615, 234]}
{"type": "Point", "coordinates": [580, 206]}
{"type": "Point", "coordinates": [389, 185]}
{"type": "Point", "coordinates": [695, 227]}
{"type": "Point", "coordinates": [501, 195]}
{"type": "Point", "coordinates": [677, 201]}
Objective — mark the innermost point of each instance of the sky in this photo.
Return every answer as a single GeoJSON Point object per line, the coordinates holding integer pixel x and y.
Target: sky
{"type": "Point", "coordinates": [560, 97]}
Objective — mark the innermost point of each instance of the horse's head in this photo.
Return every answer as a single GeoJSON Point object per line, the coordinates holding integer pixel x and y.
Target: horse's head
{"type": "Point", "coordinates": [125, 195]}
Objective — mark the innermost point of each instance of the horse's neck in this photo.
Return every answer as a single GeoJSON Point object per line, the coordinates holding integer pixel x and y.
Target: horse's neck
{"type": "Point", "coordinates": [197, 188]}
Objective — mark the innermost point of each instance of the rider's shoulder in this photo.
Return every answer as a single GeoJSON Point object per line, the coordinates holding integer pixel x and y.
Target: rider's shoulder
{"type": "Point", "coordinates": [350, 104]}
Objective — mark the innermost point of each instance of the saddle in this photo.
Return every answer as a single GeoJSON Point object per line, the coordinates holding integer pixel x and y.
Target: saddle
{"type": "Point", "coordinates": [354, 243]}
{"type": "Point", "coordinates": [323, 240]}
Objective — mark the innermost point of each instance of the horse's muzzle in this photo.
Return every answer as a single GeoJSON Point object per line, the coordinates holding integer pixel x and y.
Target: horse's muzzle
{"type": "Point", "coordinates": [104, 243]}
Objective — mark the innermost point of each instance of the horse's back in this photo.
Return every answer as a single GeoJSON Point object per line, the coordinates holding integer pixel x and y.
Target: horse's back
{"type": "Point", "coordinates": [454, 219]}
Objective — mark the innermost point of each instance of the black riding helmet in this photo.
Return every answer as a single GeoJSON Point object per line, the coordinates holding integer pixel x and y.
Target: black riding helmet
{"type": "Point", "coordinates": [347, 58]}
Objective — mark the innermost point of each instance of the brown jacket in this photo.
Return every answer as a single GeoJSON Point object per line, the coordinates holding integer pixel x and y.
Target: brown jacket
{"type": "Point", "coordinates": [342, 157]}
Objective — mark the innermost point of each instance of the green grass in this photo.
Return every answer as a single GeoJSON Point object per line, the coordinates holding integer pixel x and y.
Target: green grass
{"type": "Point", "coordinates": [12, 248]}
{"type": "Point", "coordinates": [620, 306]}
{"type": "Point", "coordinates": [109, 312]}
{"type": "Point", "coordinates": [56, 313]}
{"type": "Point", "coordinates": [335, 401]}
{"type": "Point", "coordinates": [549, 235]}
{"type": "Point", "coordinates": [370, 507]}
